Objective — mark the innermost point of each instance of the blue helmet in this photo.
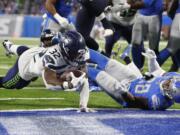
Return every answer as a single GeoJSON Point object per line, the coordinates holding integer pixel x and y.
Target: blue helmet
{"type": "Point", "coordinates": [46, 37]}
{"type": "Point", "coordinates": [73, 46]}
{"type": "Point", "coordinates": [171, 88]}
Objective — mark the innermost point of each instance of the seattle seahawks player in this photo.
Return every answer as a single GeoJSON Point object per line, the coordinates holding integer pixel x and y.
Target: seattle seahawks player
{"type": "Point", "coordinates": [128, 87]}
{"type": "Point", "coordinates": [122, 20]}
{"type": "Point", "coordinates": [67, 53]}
{"type": "Point", "coordinates": [90, 9]}
{"type": "Point", "coordinates": [57, 13]}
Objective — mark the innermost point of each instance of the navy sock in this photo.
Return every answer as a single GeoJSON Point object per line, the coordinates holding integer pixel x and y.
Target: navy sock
{"type": "Point", "coordinates": [21, 49]}
{"type": "Point", "coordinates": [163, 56]}
{"type": "Point", "coordinates": [137, 57]}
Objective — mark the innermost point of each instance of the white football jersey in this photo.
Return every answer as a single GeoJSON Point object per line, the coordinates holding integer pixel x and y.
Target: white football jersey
{"type": "Point", "coordinates": [32, 62]}
{"type": "Point", "coordinates": [125, 18]}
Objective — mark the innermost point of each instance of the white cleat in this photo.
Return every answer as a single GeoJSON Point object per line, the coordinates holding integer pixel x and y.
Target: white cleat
{"type": "Point", "coordinates": [7, 44]}
{"type": "Point", "coordinates": [150, 54]}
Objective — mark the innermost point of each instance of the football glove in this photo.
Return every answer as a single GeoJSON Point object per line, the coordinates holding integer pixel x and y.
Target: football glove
{"type": "Point", "coordinates": [63, 22]}
{"type": "Point", "coordinates": [150, 54]}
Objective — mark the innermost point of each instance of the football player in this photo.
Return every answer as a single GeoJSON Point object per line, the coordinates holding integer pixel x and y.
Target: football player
{"type": "Point", "coordinates": [148, 21]}
{"type": "Point", "coordinates": [128, 87]}
{"type": "Point", "coordinates": [122, 20]}
{"type": "Point", "coordinates": [57, 13]}
{"type": "Point", "coordinates": [52, 63]}
{"type": "Point", "coordinates": [86, 16]}
{"type": "Point", "coordinates": [173, 48]}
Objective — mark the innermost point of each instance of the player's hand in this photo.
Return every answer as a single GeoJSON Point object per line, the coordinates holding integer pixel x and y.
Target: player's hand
{"type": "Point", "coordinates": [107, 32]}
{"type": "Point", "coordinates": [77, 81]}
{"type": "Point", "coordinates": [150, 54]}
{"type": "Point", "coordinates": [85, 109]}
{"type": "Point", "coordinates": [63, 22]}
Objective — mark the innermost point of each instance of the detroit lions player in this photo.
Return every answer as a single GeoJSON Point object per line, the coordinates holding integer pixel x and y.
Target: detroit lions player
{"type": "Point", "coordinates": [148, 21]}
{"type": "Point", "coordinates": [173, 48]}
{"type": "Point", "coordinates": [67, 53]}
{"type": "Point", "coordinates": [128, 87]}
{"type": "Point", "coordinates": [57, 13]}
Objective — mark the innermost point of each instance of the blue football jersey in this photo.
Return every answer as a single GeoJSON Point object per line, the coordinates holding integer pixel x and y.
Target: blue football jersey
{"type": "Point", "coordinates": [63, 7]}
{"type": "Point", "coordinates": [152, 7]}
{"type": "Point", "coordinates": [152, 91]}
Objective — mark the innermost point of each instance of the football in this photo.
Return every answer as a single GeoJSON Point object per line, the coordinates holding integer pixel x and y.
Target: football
{"type": "Point", "coordinates": [65, 76]}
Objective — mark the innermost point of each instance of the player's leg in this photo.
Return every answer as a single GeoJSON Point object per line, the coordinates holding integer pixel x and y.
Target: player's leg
{"type": "Point", "coordinates": [154, 32]}
{"type": "Point", "coordinates": [109, 84]}
{"type": "Point", "coordinates": [95, 7]}
{"type": "Point", "coordinates": [11, 48]}
{"type": "Point", "coordinates": [111, 40]}
{"type": "Point", "coordinates": [137, 40]}
{"type": "Point", "coordinates": [12, 79]}
{"type": "Point", "coordinates": [84, 24]}
{"type": "Point", "coordinates": [112, 67]}
{"type": "Point", "coordinates": [176, 62]}
{"type": "Point", "coordinates": [173, 44]}
{"type": "Point", "coordinates": [127, 34]}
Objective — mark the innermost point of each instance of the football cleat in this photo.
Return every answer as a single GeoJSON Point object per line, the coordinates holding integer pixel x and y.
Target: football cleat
{"type": "Point", "coordinates": [126, 52]}
{"type": "Point", "coordinates": [7, 45]}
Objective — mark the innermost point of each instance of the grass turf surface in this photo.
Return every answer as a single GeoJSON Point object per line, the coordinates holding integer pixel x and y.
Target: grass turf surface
{"type": "Point", "coordinates": [36, 90]}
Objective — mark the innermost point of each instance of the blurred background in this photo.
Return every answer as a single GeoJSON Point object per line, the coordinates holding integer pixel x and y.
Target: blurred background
{"type": "Point", "coordinates": [23, 18]}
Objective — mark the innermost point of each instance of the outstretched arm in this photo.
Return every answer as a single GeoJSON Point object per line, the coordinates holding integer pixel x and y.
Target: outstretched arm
{"type": "Point", "coordinates": [153, 65]}
{"type": "Point", "coordinates": [51, 9]}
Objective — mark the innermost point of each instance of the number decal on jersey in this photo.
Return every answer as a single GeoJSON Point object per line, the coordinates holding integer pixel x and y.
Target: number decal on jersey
{"type": "Point", "coordinates": [39, 55]}
{"type": "Point", "coordinates": [55, 54]}
{"type": "Point", "coordinates": [48, 59]}
{"type": "Point", "coordinates": [141, 88]}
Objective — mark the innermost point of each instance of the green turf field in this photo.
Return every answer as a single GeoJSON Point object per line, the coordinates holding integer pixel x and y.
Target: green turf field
{"type": "Point", "coordinates": [36, 96]}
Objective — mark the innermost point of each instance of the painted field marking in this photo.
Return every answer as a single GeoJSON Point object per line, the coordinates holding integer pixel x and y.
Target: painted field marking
{"type": "Point", "coordinates": [4, 67]}
{"type": "Point", "coordinates": [5, 99]}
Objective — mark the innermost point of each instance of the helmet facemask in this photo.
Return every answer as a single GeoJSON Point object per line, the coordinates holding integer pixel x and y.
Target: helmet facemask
{"type": "Point", "coordinates": [170, 88]}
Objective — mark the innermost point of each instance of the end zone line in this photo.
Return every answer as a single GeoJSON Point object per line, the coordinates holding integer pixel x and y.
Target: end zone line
{"type": "Point", "coordinates": [5, 99]}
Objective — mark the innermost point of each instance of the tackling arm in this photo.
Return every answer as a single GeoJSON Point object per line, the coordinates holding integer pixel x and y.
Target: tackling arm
{"type": "Point", "coordinates": [153, 65]}
{"type": "Point", "coordinates": [50, 8]}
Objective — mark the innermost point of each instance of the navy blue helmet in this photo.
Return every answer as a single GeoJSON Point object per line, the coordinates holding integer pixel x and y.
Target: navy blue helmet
{"type": "Point", "coordinates": [46, 37]}
{"type": "Point", "coordinates": [73, 46]}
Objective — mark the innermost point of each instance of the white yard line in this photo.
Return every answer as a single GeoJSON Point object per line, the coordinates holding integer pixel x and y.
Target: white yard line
{"type": "Point", "coordinates": [6, 99]}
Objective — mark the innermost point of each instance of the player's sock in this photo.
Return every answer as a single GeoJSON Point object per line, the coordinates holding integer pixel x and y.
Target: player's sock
{"type": "Point", "coordinates": [163, 56]}
{"type": "Point", "coordinates": [127, 60]}
{"type": "Point", "coordinates": [137, 56]}
{"type": "Point", "coordinates": [174, 66]}
{"type": "Point", "coordinates": [91, 43]}
{"type": "Point", "coordinates": [21, 49]}
{"type": "Point", "coordinates": [126, 52]}
{"type": "Point", "coordinates": [1, 81]}
{"type": "Point", "coordinates": [98, 58]}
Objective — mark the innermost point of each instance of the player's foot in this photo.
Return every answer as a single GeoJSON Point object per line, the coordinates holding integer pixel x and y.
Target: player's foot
{"type": "Point", "coordinates": [7, 45]}
{"type": "Point", "coordinates": [126, 52]}
{"type": "Point", "coordinates": [174, 68]}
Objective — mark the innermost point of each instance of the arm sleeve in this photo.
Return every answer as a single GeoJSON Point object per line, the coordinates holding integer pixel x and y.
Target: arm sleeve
{"type": "Point", "coordinates": [154, 67]}
{"type": "Point", "coordinates": [84, 94]}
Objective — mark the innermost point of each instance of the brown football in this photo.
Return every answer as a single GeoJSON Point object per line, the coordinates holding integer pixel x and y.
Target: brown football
{"type": "Point", "coordinates": [66, 75]}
